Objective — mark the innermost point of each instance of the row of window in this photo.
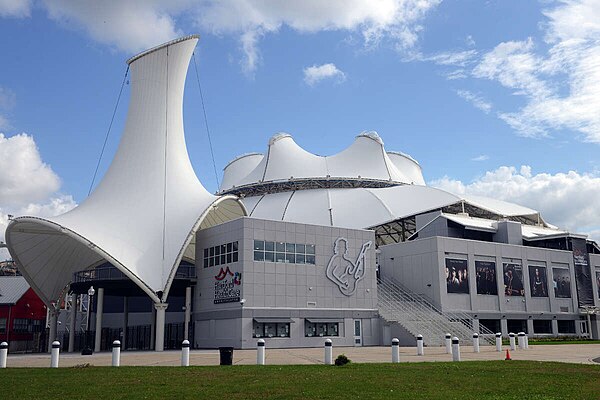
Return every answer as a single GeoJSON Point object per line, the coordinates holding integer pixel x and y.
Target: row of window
{"type": "Point", "coordinates": [540, 326]}
{"type": "Point", "coordinates": [22, 325]}
{"type": "Point", "coordinates": [222, 254]}
{"type": "Point", "coordinates": [282, 330]}
{"type": "Point", "coordinates": [282, 252]}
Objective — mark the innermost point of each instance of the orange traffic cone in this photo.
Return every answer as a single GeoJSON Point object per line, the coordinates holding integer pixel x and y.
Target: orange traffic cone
{"type": "Point", "coordinates": [508, 355]}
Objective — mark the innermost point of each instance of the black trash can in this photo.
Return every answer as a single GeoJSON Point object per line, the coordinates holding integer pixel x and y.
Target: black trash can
{"type": "Point", "coordinates": [226, 355]}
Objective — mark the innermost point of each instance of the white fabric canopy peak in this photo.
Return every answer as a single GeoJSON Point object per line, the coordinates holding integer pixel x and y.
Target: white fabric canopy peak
{"type": "Point", "coordinates": [145, 211]}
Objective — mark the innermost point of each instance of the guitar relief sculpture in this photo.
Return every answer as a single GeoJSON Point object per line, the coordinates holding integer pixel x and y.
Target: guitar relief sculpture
{"type": "Point", "coordinates": [343, 271]}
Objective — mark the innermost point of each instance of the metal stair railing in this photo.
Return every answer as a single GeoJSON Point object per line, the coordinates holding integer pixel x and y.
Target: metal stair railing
{"type": "Point", "coordinates": [418, 315]}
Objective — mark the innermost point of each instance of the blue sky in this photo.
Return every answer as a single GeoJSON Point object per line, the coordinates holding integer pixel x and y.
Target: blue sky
{"type": "Point", "coordinates": [496, 98]}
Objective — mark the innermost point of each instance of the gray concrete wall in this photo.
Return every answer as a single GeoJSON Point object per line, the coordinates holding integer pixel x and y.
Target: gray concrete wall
{"type": "Point", "coordinates": [421, 263]}
{"type": "Point", "coordinates": [283, 290]}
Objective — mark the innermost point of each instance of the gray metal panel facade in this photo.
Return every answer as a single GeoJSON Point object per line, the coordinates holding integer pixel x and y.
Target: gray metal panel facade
{"type": "Point", "coordinates": [282, 290]}
{"type": "Point", "coordinates": [420, 266]}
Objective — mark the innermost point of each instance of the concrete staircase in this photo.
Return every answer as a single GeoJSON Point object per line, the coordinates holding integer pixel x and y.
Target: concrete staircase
{"type": "Point", "coordinates": [417, 315]}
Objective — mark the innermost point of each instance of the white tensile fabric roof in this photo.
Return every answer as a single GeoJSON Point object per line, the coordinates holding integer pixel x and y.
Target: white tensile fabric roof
{"type": "Point", "coordinates": [284, 160]}
{"type": "Point", "coordinates": [529, 232]}
{"type": "Point", "coordinates": [362, 207]}
{"type": "Point", "coordinates": [143, 215]}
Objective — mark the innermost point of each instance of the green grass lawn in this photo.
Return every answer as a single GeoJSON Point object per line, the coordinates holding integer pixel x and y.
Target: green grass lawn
{"type": "Point", "coordinates": [517, 380]}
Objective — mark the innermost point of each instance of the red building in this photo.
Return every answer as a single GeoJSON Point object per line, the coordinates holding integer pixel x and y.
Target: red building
{"type": "Point", "coordinates": [22, 315]}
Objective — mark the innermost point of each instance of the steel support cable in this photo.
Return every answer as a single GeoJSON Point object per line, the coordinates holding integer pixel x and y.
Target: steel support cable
{"type": "Point", "coordinates": [212, 154]}
{"type": "Point", "coordinates": [112, 119]}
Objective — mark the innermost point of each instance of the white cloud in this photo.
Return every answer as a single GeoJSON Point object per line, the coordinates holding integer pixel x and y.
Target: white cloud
{"type": "Point", "coordinates": [50, 207]}
{"type": "Point", "coordinates": [456, 74]}
{"type": "Point", "coordinates": [28, 186]}
{"type": "Point", "coordinates": [29, 179]}
{"type": "Point", "coordinates": [15, 8]}
{"type": "Point", "coordinates": [132, 25]}
{"type": "Point", "coordinates": [457, 58]}
{"type": "Point", "coordinates": [476, 100]}
{"type": "Point", "coordinates": [570, 200]}
{"type": "Point", "coordinates": [317, 73]}
{"type": "Point", "coordinates": [482, 157]}
{"type": "Point", "coordinates": [560, 86]}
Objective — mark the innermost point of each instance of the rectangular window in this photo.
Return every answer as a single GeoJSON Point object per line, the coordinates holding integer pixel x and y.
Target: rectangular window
{"type": "Point", "coordinates": [224, 253]}
{"type": "Point", "coordinates": [280, 257]}
{"type": "Point", "coordinates": [566, 326]}
{"type": "Point", "coordinates": [516, 325]}
{"type": "Point", "coordinates": [282, 252]}
{"type": "Point", "coordinates": [2, 325]}
{"type": "Point", "coordinates": [37, 325]}
{"type": "Point", "coordinates": [271, 330]}
{"type": "Point", "coordinates": [492, 324]}
{"type": "Point", "coordinates": [283, 330]}
{"type": "Point", "coordinates": [21, 325]}
{"type": "Point", "coordinates": [259, 255]}
{"type": "Point", "coordinates": [321, 329]}
{"type": "Point", "coordinates": [542, 326]}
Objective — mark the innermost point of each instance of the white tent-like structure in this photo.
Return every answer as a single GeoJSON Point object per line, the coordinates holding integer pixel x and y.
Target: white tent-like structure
{"type": "Point", "coordinates": [143, 215]}
{"type": "Point", "coordinates": [363, 186]}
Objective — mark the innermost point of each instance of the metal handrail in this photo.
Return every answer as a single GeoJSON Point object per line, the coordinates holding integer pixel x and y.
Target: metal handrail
{"type": "Point", "coordinates": [418, 315]}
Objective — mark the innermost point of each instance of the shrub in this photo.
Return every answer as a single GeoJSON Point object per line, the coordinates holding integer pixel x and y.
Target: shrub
{"type": "Point", "coordinates": [342, 360]}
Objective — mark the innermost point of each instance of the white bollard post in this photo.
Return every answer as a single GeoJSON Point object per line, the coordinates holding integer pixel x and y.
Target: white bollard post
{"type": "Point", "coordinates": [455, 349]}
{"type": "Point", "coordinates": [3, 354]}
{"type": "Point", "coordinates": [475, 343]}
{"type": "Point", "coordinates": [420, 351]}
{"type": "Point", "coordinates": [328, 352]}
{"type": "Point", "coordinates": [521, 340]}
{"type": "Point", "coordinates": [395, 350]}
{"type": "Point", "coordinates": [116, 353]}
{"type": "Point", "coordinates": [185, 353]}
{"type": "Point", "coordinates": [260, 352]}
{"type": "Point", "coordinates": [511, 340]}
{"type": "Point", "coordinates": [55, 354]}
{"type": "Point", "coordinates": [448, 343]}
{"type": "Point", "coordinates": [498, 341]}
{"type": "Point", "coordinates": [526, 341]}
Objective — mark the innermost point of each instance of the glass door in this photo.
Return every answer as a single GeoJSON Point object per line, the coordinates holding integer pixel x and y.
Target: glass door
{"type": "Point", "coordinates": [357, 332]}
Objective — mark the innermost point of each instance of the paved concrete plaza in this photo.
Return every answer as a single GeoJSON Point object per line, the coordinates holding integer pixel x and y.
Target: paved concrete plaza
{"type": "Point", "coordinates": [580, 354]}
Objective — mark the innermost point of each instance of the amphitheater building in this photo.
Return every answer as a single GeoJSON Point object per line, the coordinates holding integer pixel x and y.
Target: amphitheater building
{"type": "Point", "coordinates": [293, 248]}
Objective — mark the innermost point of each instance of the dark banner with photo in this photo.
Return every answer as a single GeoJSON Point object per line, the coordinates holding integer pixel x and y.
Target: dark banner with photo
{"type": "Point", "coordinates": [583, 274]}
{"type": "Point", "coordinates": [457, 276]}
{"type": "Point", "coordinates": [486, 277]}
{"type": "Point", "coordinates": [513, 279]}
{"type": "Point", "coordinates": [538, 283]}
{"type": "Point", "coordinates": [598, 282]}
{"type": "Point", "coordinates": [561, 280]}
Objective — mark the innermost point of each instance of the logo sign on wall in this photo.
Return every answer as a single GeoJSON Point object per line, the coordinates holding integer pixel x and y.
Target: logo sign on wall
{"type": "Point", "coordinates": [343, 271]}
{"type": "Point", "coordinates": [227, 286]}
